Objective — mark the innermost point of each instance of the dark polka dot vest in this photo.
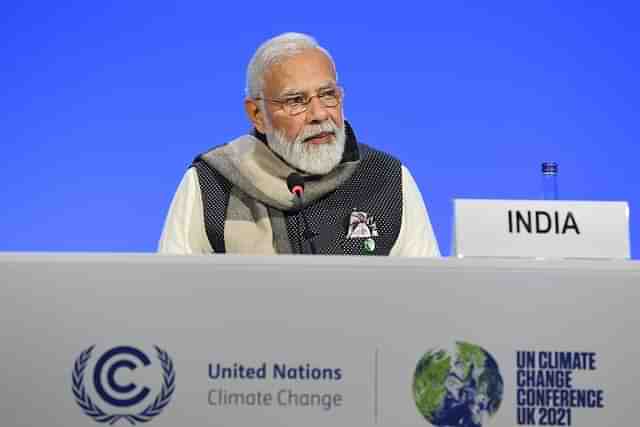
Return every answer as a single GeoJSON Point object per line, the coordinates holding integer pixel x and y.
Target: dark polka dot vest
{"type": "Point", "coordinates": [362, 216]}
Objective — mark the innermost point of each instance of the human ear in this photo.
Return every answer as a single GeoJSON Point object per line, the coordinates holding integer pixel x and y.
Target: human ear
{"type": "Point", "coordinates": [255, 114]}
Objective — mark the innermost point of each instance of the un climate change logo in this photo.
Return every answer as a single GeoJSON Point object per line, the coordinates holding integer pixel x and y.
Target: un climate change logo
{"type": "Point", "coordinates": [460, 386]}
{"type": "Point", "coordinates": [123, 398]}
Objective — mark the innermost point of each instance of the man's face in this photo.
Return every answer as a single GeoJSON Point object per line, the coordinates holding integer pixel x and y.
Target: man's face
{"type": "Point", "coordinates": [313, 140]}
{"type": "Point", "coordinates": [304, 73]}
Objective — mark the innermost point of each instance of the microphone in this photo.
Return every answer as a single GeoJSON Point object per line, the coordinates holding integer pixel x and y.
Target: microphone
{"type": "Point", "coordinates": [295, 184]}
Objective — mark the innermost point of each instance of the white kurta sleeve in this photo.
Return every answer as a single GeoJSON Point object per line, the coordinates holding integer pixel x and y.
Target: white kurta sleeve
{"type": "Point", "coordinates": [416, 237]}
{"type": "Point", "coordinates": [184, 231]}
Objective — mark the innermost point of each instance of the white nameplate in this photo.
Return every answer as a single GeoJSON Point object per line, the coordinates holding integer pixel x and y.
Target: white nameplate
{"type": "Point", "coordinates": [541, 228]}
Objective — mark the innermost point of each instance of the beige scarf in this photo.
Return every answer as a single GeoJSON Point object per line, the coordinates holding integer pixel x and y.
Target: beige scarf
{"type": "Point", "coordinates": [255, 222]}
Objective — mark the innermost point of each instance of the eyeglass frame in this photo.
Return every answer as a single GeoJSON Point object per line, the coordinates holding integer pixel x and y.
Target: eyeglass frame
{"type": "Point", "coordinates": [282, 102]}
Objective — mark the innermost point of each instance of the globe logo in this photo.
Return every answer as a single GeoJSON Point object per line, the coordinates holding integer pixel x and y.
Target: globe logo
{"type": "Point", "coordinates": [459, 386]}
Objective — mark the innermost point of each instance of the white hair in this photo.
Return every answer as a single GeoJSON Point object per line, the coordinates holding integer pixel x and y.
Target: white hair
{"type": "Point", "coordinates": [273, 51]}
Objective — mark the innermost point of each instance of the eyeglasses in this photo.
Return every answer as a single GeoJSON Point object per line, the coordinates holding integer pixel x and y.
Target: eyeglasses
{"type": "Point", "coordinates": [299, 103]}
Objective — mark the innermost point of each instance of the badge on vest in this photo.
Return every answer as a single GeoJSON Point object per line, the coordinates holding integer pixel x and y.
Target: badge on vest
{"type": "Point", "coordinates": [361, 225]}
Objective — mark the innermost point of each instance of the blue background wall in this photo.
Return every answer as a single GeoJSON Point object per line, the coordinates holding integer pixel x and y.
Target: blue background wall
{"type": "Point", "coordinates": [104, 105]}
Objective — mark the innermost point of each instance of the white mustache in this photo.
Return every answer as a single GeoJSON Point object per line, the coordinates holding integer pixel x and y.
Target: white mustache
{"type": "Point", "coordinates": [311, 131]}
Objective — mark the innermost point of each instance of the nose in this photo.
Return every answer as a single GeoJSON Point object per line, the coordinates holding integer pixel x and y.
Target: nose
{"type": "Point", "coordinates": [316, 112]}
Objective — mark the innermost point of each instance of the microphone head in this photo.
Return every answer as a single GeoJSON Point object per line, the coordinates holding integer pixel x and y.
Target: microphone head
{"type": "Point", "coordinates": [295, 183]}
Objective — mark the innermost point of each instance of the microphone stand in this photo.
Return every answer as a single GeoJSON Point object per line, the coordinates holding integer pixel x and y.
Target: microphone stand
{"type": "Point", "coordinates": [307, 233]}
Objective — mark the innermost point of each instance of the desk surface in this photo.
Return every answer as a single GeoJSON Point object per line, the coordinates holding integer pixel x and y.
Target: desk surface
{"type": "Point", "coordinates": [360, 334]}
{"type": "Point", "coordinates": [285, 260]}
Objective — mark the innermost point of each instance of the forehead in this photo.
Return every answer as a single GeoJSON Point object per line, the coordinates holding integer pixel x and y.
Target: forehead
{"type": "Point", "coordinates": [305, 71]}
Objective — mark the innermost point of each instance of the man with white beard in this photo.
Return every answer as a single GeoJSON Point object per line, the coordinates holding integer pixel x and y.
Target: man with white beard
{"type": "Point", "coordinates": [237, 198]}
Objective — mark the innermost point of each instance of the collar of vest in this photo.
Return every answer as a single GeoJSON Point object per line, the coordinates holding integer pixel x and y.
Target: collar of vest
{"type": "Point", "coordinates": [250, 165]}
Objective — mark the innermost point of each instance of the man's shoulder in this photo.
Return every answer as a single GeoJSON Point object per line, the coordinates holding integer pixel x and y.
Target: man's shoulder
{"type": "Point", "coordinates": [237, 147]}
{"type": "Point", "coordinates": [369, 153]}
{"type": "Point", "coordinates": [219, 164]}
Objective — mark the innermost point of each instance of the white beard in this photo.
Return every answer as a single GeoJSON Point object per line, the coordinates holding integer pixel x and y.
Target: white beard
{"type": "Point", "coordinates": [314, 159]}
